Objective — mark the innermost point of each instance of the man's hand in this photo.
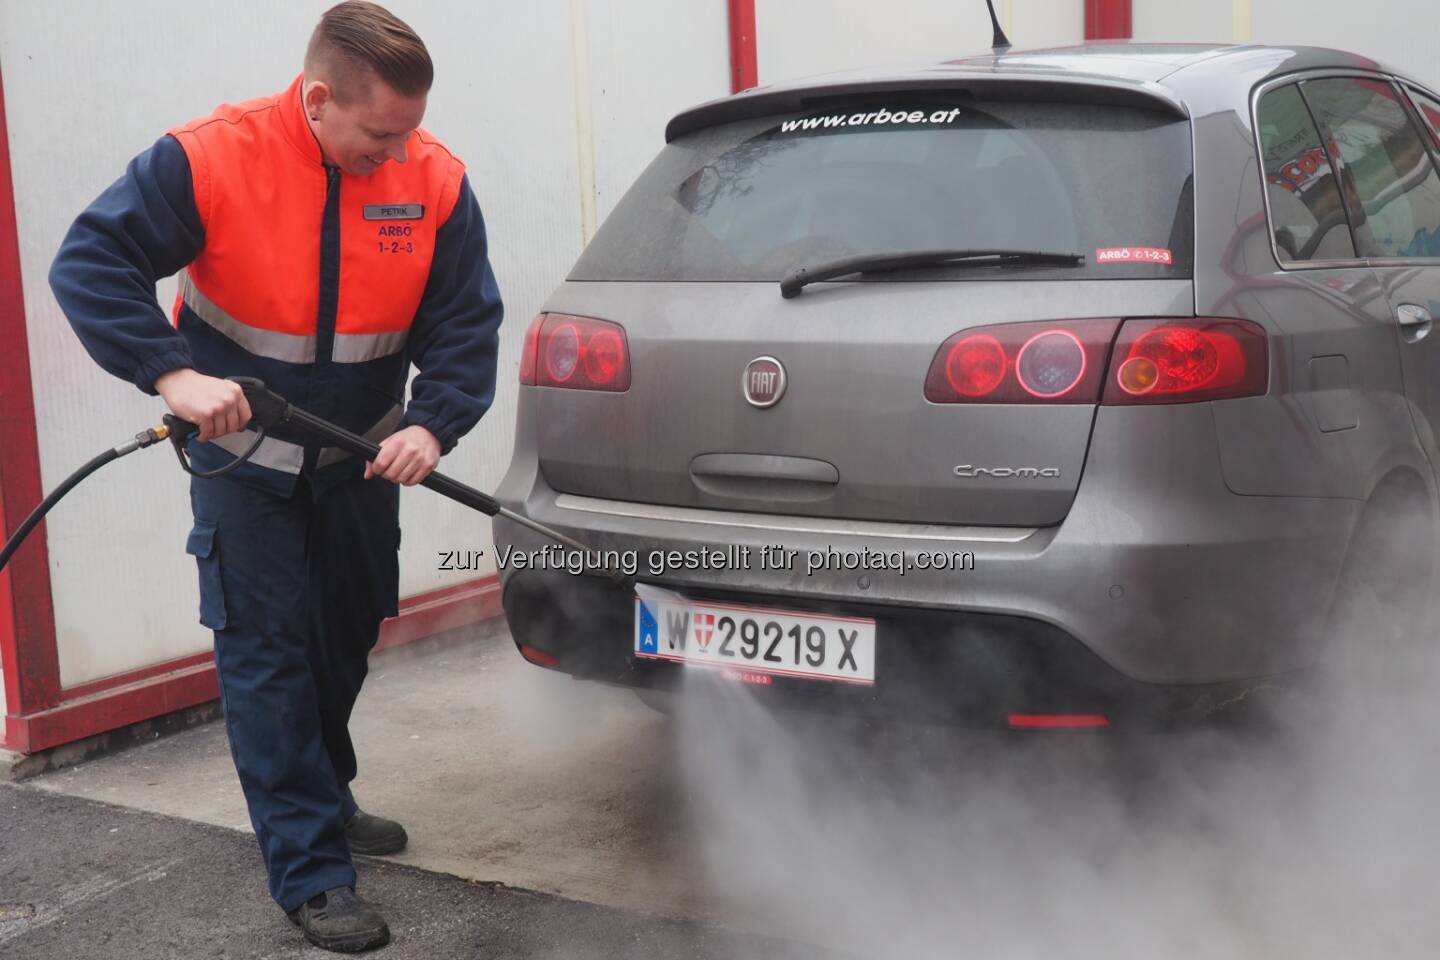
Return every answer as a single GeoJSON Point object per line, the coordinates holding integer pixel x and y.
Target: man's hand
{"type": "Point", "coordinates": [407, 457]}
{"type": "Point", "coordinates": [216, 406]}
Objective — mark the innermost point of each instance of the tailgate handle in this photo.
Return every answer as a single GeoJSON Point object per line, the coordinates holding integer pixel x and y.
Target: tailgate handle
{"type": "Point", "coordinates": [764, 467]}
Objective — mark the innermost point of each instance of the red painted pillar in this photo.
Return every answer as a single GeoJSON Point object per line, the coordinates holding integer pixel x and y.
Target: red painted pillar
{"type": "Point", "coordinates": [27, 616]}
{"type": "Point", "coordinates": [1107, 19]}
{"type": "Point", "coordinates": [744, 68]}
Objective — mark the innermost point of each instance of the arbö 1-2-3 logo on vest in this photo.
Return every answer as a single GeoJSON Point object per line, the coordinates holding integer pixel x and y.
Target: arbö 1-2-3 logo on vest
{"type": "Point", "coordinates": [394, 237]}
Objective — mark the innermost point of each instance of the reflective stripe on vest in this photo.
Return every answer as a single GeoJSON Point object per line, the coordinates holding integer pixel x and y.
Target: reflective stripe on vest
{"type": "Point", "coordinates": [288, 457]}
{"type": "Point", "coordinates": [263, 343]}
{"type": "Point", "coordinates": [359, 347]}
{"type": "Point", "coordinates": [289, 347]}
{"type": "Point", "coordinates": [272, 453]}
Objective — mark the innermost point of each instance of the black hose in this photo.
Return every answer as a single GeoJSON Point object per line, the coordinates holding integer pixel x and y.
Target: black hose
{"type": "Point", "coordinates": [143, 439]}
{"type": "Point", "coordinates": [38, 514]}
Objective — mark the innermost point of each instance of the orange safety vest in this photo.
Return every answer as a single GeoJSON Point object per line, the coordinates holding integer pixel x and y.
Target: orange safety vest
{"type": "Point", "coordinates": [285, 306]}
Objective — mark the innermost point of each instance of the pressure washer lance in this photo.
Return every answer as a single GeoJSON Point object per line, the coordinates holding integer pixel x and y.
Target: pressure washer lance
{"type": "Point", "coordinates": [268, 409]}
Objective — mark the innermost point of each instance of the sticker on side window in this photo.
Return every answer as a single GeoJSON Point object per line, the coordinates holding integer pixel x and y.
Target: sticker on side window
{"type": "Point", "coordinates": [1160, 255]}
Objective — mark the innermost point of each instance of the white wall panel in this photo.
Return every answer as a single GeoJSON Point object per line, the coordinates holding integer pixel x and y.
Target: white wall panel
{"type": "Point", "coordinates": [1164, 21]}
{"type": "Point", "coordinates": [1396, 32]}
{"type": "Point", "coordinates": [1400, 33]}
{"type": "Point", "coordinates": [649, 59]}
{"type": "Point", "coordinates": [1032, 24]}
{"type": "Point", "coordinates": [799, 38]}
{"type": "Point", "coordinates": [504, 101]}
{"type": "Point", "coordinates": [89, 84]}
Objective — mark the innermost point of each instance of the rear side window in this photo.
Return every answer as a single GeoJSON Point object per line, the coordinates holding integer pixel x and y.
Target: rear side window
{"type": "Point", "coordinates": [1306, 213]}
{"type": "Point", "coordinates": [1394, 176]}
{"type": "Point", "coordinates": [757, 199]}
{"type": "Point", "coordinates": [1430, 113]}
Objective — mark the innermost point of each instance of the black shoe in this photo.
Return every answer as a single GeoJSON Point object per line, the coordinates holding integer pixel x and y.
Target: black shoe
{"type": "Point", "coordinates": [339, 920]}
{"type": "Point", "coordinates": [374, 836]}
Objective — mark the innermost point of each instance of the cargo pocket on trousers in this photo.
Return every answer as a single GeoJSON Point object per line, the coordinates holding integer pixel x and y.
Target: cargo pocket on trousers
{"type": "Point", "coordinates": [201, 546]}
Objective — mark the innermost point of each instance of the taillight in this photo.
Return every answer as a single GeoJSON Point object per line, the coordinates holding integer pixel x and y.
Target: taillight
{"type": "Point", "coordinates": [1050, 364]}
{"type": "Point", "coordinates": [1046, 362]}
{"type": "Point", "coordinates": [579, 353]}
{"type": "Point", "coordinates": [1152, 361]}
{"type": "Point", "coordinates": [1185, 361]}
{"type": "Point", "coordinates": [975, 365]}
{"type": "Point", "coordinates": [530, 349]}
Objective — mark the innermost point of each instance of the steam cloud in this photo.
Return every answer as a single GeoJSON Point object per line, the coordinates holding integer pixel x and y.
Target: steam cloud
{"type": "Point", "coordinates": [1309, 832]}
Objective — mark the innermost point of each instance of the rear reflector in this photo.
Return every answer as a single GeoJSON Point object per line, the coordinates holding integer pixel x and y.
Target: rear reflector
{"type": "Point", "coordinates": [1184, 361]}
{"type": "Point", "coordinates": [577, 353]}
{"type": "Point", "coordinates": [1058, 721]}
{"type": "Point", "coordinates": [1046, 362]}
{"type": "Point", "coordinates": [538, 657]}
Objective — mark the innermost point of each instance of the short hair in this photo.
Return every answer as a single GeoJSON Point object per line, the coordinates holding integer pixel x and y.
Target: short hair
{"type": "Point", "coordinates": [358, 41]}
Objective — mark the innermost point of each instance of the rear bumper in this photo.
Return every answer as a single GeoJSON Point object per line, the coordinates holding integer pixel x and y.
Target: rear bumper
{"type": "Point", "coordinates": [934, 665]}
{"type": "Point", "coordinates": [1159, 576]}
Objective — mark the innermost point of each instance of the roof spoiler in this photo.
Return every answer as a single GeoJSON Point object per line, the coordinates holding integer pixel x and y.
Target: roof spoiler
{"type": "Point", "coordinates": [762, 102]}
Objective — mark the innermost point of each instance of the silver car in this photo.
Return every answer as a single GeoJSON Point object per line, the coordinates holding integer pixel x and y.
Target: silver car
{"type": "Point", "coordinates": [1055, 389]}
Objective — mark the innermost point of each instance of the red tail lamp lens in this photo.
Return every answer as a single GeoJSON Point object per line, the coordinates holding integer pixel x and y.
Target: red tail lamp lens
{"type": "Point", "coordinates": [604, 356]}
{"type": "Point", "coordinates": [580, 353]}
{"type": "Point", "coordinates": [1045, 362]}
{"type": "Point", "coordinates": [530, 351]}
{"type": "Point", "coordinates": [1184, 361]}
{"type": "Point", "coordinates": [975, 366]}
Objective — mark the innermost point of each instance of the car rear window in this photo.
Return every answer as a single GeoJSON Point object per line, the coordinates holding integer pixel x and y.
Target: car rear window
{"type": "Point", "coordinates": [757, 199]}
{"type": "Point", "coordinates": [1429, 109]}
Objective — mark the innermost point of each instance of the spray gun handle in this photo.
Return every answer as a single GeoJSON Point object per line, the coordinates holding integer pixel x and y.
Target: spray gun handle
{"type": "Point", "coordinates": [180, 430]}
{"type": "Point", "coordinates": [267, 408]}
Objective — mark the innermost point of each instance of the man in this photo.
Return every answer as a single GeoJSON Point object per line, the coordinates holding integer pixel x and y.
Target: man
{"type": "Point", "coordinates": [327, 243]}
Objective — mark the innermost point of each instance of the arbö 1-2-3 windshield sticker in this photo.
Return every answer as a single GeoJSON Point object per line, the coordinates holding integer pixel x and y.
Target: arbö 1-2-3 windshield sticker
{"type": "Point", "coordinates": [1160, 255]}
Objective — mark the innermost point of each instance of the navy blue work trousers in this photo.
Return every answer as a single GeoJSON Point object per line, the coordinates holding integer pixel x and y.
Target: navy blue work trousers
{"type": "Point", "coordinates": [295, 589]}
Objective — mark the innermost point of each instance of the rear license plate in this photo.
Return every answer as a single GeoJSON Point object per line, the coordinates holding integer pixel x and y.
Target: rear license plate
{"type": "Point", "coordinates": [786, 643]}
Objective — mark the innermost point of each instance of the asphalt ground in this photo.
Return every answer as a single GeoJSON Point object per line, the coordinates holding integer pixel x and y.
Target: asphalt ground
{"type": "Point", "coordinates": [79, 878]}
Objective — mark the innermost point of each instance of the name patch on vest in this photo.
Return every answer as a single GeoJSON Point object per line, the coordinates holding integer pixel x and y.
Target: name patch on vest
{"type": "Point", "coordinates": [394, 211]}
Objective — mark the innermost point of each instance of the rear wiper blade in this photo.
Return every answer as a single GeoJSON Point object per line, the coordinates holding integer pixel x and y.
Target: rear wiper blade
{"type": "Point", "coordinates": [878, 262]}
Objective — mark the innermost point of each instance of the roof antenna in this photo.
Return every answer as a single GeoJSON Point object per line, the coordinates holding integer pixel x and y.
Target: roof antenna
{"type": "Point", "coordinates": [1001, 43]}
